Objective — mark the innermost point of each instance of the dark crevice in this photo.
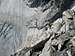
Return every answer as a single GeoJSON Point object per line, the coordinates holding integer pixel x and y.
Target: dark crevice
{"type": "Point", "coordinates": [55, 46]}
{"type": "Point", "coordinates": [38, 47]}
{"type": "Point", "coordinates": [51, 4]}
{"type": "Point", "coordinates": [37, 3]}
{"type": "Point", "coordinates": [64, 45]}
{"type": "Point", "coordinates": [66, 4]}
{"type": "Point", "coordinates": [55, 17]}
{"type": "Point", "coordinates": [61, 4]}
{"type": "Point", "coordinates": [70, 18]}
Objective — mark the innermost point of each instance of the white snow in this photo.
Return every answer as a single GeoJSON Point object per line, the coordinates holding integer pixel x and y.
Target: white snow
{"type": "Point", "coordinates": [15, 7]}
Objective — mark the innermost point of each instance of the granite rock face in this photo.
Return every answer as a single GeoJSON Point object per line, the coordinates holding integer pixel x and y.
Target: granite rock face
{"type": "Point", "coordinates": [36, 28]}
{"type": "Point", "coordinates": [60, 42]}
{"type": "Point", "coordinates": [40, 23]}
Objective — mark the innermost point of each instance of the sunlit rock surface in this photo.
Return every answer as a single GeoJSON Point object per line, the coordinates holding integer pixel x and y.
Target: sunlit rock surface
{"type": "Point", "coordinates": [28, 23]}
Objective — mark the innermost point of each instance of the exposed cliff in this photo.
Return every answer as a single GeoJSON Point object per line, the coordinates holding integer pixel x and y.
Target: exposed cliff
{"type": "Point", "coordinates": [50, 32]}
{"type": "Point", "coordinates": [35, 28]}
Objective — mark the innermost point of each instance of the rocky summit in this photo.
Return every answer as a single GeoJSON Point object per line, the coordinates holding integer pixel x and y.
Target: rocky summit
{"type": "Point", "coordinates": [37, 27]}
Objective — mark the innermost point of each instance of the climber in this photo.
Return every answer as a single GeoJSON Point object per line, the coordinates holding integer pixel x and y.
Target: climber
{"type": "Point", "coordinates": [68, 19]}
